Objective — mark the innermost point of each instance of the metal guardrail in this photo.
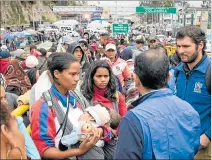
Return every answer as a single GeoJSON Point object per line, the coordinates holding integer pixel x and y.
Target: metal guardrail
{"type": "Point", "coordinates": [20, 110]}
{"type": "Point", "coordinates": [29, 129]}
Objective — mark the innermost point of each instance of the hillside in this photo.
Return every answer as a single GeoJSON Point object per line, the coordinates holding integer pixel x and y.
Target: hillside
{"type": "Point", "coordinates": [21, 12]}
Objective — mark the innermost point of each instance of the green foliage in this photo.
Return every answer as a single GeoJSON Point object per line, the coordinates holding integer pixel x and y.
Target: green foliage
{"type": "Point", "coordinates": [168, 3]}
{"type": "Point", "coordinates": [156, 3]}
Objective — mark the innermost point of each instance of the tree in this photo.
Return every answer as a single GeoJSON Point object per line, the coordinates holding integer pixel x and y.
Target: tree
{"type": "Point", "coordinates": [151, 3]}
{"type": "Point", "coordinates": [168, 3]}
{"type": "Point", "coordinates": [206, 3]}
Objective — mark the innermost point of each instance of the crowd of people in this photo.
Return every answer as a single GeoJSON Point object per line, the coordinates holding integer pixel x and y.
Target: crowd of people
{"type": "Point", "coordinates": [107, 99]}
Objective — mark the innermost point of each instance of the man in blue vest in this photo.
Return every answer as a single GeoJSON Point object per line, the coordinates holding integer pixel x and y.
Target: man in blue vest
{"type": "Point", "coordinates": [191, 81]}
{"type": "Point", "coordinates": [161, 125]}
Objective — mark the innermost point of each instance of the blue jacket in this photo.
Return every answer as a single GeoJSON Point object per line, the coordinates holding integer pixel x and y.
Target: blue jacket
{"type": "Point", "coordinates": [31, 149]}
{"type": "Point", "coordinates": [193, 90]}
{"type": "Point", "coordinates": [161, 126]}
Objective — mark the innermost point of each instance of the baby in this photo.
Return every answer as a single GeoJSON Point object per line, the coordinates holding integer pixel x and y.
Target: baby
{"type": "Point", "coordinates": [94, 116]}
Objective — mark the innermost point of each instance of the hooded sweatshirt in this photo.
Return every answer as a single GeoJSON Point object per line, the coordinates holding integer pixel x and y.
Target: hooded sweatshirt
{"type": "Point", "coordinates": [84, 65]}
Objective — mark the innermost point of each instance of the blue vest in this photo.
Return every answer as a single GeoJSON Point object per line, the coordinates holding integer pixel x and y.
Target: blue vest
{"type": "Point", "coordinates": [193, 90]}
{"type": "Point", "coordinates": [171, 127]}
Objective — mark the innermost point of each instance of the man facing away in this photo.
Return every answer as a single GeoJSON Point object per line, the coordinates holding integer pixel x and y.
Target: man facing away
{"type": "Point", "coordinates": [161, 125]}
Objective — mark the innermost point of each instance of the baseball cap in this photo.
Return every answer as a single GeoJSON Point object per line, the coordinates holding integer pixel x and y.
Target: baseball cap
{"type": "Point", "coordinates": [110, 46]}
{"type": "Point", "coordinates": [152, 38]}
{"type": "Point", "coordinates": [140, 39]}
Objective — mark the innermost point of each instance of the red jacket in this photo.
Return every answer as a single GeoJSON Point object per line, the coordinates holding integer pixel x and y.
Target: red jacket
{"type": "Point", "coordinates": [99, 97]}
{"type": "Point", "coordinates": [3, 65]}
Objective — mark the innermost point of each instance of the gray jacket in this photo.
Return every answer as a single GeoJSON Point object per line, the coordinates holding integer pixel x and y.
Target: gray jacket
{"type": "Point", "coordinates": [12, 100]}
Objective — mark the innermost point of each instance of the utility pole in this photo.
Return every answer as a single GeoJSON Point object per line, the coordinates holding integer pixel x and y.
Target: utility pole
{"type": "Point", "coordinates": [116, 11]}
{"type": "Point", "coordinates": [33, 21]}
{"type": "Point", "coordinates": [19, 19]}
{"type": "Point", "coordinates": [211, 23]}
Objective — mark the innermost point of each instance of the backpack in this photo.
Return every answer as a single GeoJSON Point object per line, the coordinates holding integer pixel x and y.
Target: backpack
{"type": "Point", "coordinates": [207, 78]}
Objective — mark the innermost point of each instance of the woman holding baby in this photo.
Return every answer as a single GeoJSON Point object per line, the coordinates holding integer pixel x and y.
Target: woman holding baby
{"type": "Point", "coordinates": [56, 114]}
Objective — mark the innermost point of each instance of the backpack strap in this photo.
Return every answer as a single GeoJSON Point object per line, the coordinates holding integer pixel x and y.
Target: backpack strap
{"type": "Point", "coordinates": [51, 102]}
{"type": "Point", "coordinates": [115, 106]}
{"type": "Point", "coordinates": [80, 99]}
{"type": "Point", "coordinates": [48, 99]}
{"type": "Point", "coordinates": [208, 78]}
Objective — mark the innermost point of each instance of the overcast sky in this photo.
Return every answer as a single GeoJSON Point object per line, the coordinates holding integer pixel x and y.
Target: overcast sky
{"type": "Point", "coordinates": [119, 3]}
{"type": "Point", "coordinates": [130, 3]}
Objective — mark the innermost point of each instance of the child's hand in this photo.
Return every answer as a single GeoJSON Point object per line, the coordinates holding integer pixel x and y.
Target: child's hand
{"type": "Point", "coordinates": [114, 132]}
{"type": "Point", "coordinates": [20, 103]}
{"type": "Point", "coordinates": [89, 142]}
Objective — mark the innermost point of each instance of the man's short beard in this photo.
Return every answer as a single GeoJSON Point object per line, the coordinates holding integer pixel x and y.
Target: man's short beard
{"type": "Point", "coordinates": [193, 57]}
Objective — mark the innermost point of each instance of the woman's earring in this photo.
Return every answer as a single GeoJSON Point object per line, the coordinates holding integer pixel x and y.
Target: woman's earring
{"type": "Point", "coordinates": [8, 152]}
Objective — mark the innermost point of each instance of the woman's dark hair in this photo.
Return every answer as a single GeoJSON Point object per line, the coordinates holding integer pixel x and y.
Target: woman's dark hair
{"type": "Point", "coordinates": [87, 86]}
{"type": "Point", "coordinates": [5, 115]}
{"type": "Point", "coordinates": [59, 62]}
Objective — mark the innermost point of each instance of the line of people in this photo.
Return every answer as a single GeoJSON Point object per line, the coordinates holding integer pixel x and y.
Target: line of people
{"type": "Point", "coordinates": [111, 102]}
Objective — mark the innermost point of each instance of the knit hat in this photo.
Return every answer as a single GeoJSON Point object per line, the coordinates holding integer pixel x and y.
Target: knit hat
{"type": "Point", "coordinates": [31, 62]}
{"type": "Point", "coordinates": [5, 54]}
{"type": "Point", "coordinates": [18, 52]}
{"type": "Point", "coordinates": [99, 113]}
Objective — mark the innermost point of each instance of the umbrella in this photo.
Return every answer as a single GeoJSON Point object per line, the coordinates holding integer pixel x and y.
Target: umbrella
{"type": "Point", "coordinates": [33, 32]}
{"type": "Point", "coordinates": [18, 34]}
{"type": "Point", "coordinates": [26, 33]}
{"type": "Point", "coordinates": [8, 36]}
